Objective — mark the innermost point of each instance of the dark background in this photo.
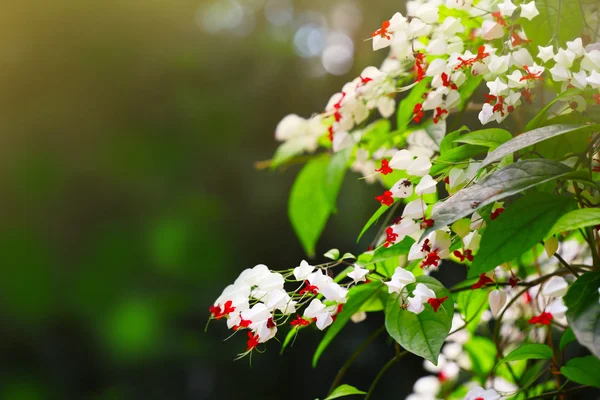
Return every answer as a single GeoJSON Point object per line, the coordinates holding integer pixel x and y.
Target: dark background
{"type": "Point", "coordinates": [130, 131]}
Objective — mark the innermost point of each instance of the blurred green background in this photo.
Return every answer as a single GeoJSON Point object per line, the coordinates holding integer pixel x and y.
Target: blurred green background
{"type": "Point", "coordinates": [130, 130]}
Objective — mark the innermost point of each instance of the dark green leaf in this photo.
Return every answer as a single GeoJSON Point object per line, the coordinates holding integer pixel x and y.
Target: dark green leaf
{"type": "Point", "coordinates": [584, 310]}
{"type": "Point", "coordinates": [533, 137]}
{"type": "Point", "coordinates": [288, 338]}
{"type": "Point", "coordinates": [567, 337]}
{"type": "Point", "coordinates": [344, 390]}
{"type": "Point", "coordinates": [454, 156]}
{"type": "Point", "coordinates": [467, 89]}
{"type": "Point", "coordinates": [334, 175]}
{"type": "Point", "coordinates": [421, 334]}
{"type": "Point", "coordinates": [584, 370]}
{"type": "Point", "coordinates": [309, 205]}
{"type": "Point", "coordinates": [560, 19]}
{"type": "Point", "coordinates": [539, 118]}
{"type": "Point", "coordinates": [407, 105]}
{"type": "Point", "coordinates": [357, 296]}
{"type": "Point", "coordinates": [492, 137]}
{"type": "Point", "coordinates": [448, 142]}
{"type": "Point", "coordinates": [520, 227]}
{"type": "Point", "coordinates": [373, 219]}
{"type": "Point", "coordinates": [503, 183]}
{"type": "Point", "coordinates": [577, 219]}
{"type": "Point", "coordinates": [532, 351]}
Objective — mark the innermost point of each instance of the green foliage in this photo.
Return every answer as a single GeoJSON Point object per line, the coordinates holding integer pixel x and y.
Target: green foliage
{"type": "Point", "coordinates": [449, 141]}
{"type": "Point", "coordinates": [520, 227]}
{"type": "Point", "coordinates": [537, 121]}
{"type": "Point", "coordinates": [472, 303]}
{"type": "Point", "coordinates": [482, 352]}
{"type": "Point", "coordinates": [407, 105]}
{"type": "Point", "coordinates": [584, 370]}
{"type": "Point", "coordinates": [584, 310]}
{"type": "Point", "coordinates": [312, 198]}
{"type": "Point", "coordinates": [380, 211]}
{"type": "Point", "coordinates": [357, 296]}
{"type": "Point", "coordinates": [491, 138]}
{"type": "Point", "coordinates": [334, 175]}
{"type": "Point", "coordinates": [533, 351]}
{"type": "Point", "coordinates": [421, 334]}
{"type": "Point", "coordinates": [533, 137]}
{"type": "Point", "coordinates": [577, 219]}
{"type": "Point", "coordinates": [567, 337]}
{"type": "Point", "coordinates": [344, 390]}
{"type": "Point", "coordinates": [558, 19]}
{"type": "Point", "coordinates": [457, 155]}
{"type": "Point", "coordinates": [510, 180]}
{"type": "Point", "coordinates": [468, 89]}
{"type": "Point", "coordinates": [398, 249]}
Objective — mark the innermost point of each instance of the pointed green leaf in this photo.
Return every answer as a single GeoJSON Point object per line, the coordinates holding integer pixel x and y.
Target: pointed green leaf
{"type": "Point", "coordinates": [532, 351]}
{"type": "Point", "coordinates": [421, 334]}
{"type": "Point", "coordinates": [334, 176]}
{"type": "Point", "coordinates": [577, 219]}
{"type": "Point", "coordinates": [524, 224]}
{"type": "Point", "coordinates": [583, 313]}
{"type": "Point", "coordinates": [539, 118]}
{"type": "Point", "coordinates": [567, 337]}
{"type": "Point", "coordinates": [357, 296]}
{"type": "Point", "coordinates": [492, 137]}
{"type": "Point", "coordinates": [407, 105]}
{"type": "Point", "coordinates": [380, 211]}
{"type": "Point", "coordinates": [533, 137]}
{"type": "Point", "coordinates": [454, 156]}
{"type": "Point", "coordinates": [396, 250]}
{"type": "Point", "coordinates": [472, 303]}
{"type": "Point", "coordinates": [505, 182]}
{"type": "Point", "coordinates": [448, 142]}
{"type": "Point", "coordinates": [344, 390]}
{"type": "Point", "coordinates": [584, 370]}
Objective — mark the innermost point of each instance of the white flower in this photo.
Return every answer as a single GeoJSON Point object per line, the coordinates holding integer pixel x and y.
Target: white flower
{"type": "Point", "coordinates": [423, 292]}
{"type": "Point", "coordinates": [591, 61]}
{"type": "Point", "coordinates": [303, 270]}
{"type": "Point", "coordinates": [316, 309]}
{"type": "Point", "coordinates": [594, 80]}
{"type": "Point", "coordinates": [426, 185]}
{"type": "Point", "coordinates": [507, 8]}
{"type": "Point", "coordinates": [427, 385]}
{"type": "Point", "coordinates": [415, 304]}
{"type": "Point", "coordinates": [545, 53]}
{"type": "Point", "coordinates": [428, 13]}
{"type": "Point", "coordinates": [437, 47]}
{"type": "Point", "coordinates": [471, 241]}
{"type": "Point", "coordinates": [358, 317]}
{"type": "Point", "coordinates": [399, 280]}
{"type": "Point", "coordinates": [401, 160]}
{"type": "Point", "coordinates": [491, 30]}
{"type": "Point", "coordinates": [497, 87]}
{"type": "Point", "coordinates": [556, 286]}
{"type": "Point", "coordinates": [497, 300]}
{"type": "Point", "coordinates": [565, 58]}
{"type": "Point", "coordinates": [528, 11]}
{"type": "Point", "coordinates": [521, 57]}
{"type": "Point", "coordinates": [576, 46]}
{"type": "Point", "coordinates": [451, 26]}
{"type": "Point", "coordinates": [560, 73]}
{"type": "Point", "coordinates": [436, 67]}
{"type": "Point", "coordinates": [341, 141]}
{"type": "Point", "coordinates": [358, 274]}
{"type": "Point", "coordinates": [557, 308]}
{"type": "Point", "coordinates": [486, 114]}
{"type": "Point", "coordinates": [478, 393]}
{"type": "Point", "coordinates": [498, 64]}
{"type": "Point", "coordinates": [414, 210]}
{"type": "Point", "coordinates": [419, 167]}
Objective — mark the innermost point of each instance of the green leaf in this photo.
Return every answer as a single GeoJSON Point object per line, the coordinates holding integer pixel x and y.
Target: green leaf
{"type": "Point", "coordinates": [334, 176]}
{"type": "Point", "coordinates": [309, 206]}
{"type": "Point", "coordinates": [560, 19]}
{"type": "Point", "coordinates": [577, 219]}
{"type": "Point", "coordinates": [524, 224]}
{"type": "Point", "coordinates": [332, 254]}
{"type": "Point", "coordinates": [421, 334]}
{"type": "Point", "coordinates": [357, 296]}
{"type": "Point", "coordinates": [472, 303]}
{"type": "Point", "coordinates": [344, 390]}
{"type": "Point", "coordinates": [380, 211]}
{"type": "Point", "coordinates": [533, 137]}
{"type": "Point", "coordinates": [396, 250]}
{"type": "Point", "coordinates": [482, 352]}
{"type": "Point", "coordinates": [539, 118]}
{"type": "Point", "coordinates": [288, 338]}
{"type": "Point", "coordinates": [492, 138]}
{"type": "Point", "coordinates": [467, 90]}
{"type": "Point", "coordinates": [584, 370]}
{"type": "Point", "coordinates": [584, 310]}
{"type": "Point", "coordinates": [532, 351]}
{"type": "Point", "coordinates": [515, 178]}
{"type": "Point", "coordinates": [284, 152]}
{"type": "Point", "coordinates": [407, 105]}
{"type": "Point", "coordinates": [448, 142]}
{"type": "Point", "coordinates": [454, 156]}
{"type": "Point", "coordinates": [567, 337]}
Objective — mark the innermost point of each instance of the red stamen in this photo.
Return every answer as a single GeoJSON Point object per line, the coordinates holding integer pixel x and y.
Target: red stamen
{"type": "Point", "coordinates": [530, 75]}
{"type": "Point", "coordinates": [391, 237]}
{"type": "Point", "coordinates": [299, 321]}
{"type": "Point", "coordinates": [544, 318]}
{"type": "Point", "coordinates": [385, 167]}
{"type": "Point", "coordinates": [386, 198]}
{"type": "Point", "coordinates": [252, 341]}
{"type": "Point", "coordinates": [309, 289]}
{"type": "Point", "coordinates": [436, 303]}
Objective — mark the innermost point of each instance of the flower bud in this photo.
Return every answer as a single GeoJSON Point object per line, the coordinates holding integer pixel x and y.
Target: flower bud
{"type": "Point", "coordinates": [358, 317]}
{"type": "Point", "coordinates": [551, 246]}
{"type": "Point", "coordinates": [497, 300]}
{"type": "Point", "coordinates": [555, 287]}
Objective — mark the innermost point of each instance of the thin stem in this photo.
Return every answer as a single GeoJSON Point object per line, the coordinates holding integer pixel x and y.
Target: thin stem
{"type": "Point", "coordinates": [354, 356]}
{"type": "Point", "coordinates": [383, 370]}
{"type": "Point", "coordinates": [565, 264]}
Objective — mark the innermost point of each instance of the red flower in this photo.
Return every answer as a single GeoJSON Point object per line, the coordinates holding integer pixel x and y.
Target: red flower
{"type": "Point", "coordinates": [252, 341]}
{"type": "Point", "coordinates": [383, 31]}
{"type": "Point", "coordinates": [244, 323]}
{"type": "Point", "coordinates": [309, 289]}
{"type": "Point", "coordinates": [481, 54]}
{"type": "Point", "coordinates": [518, 40]}
{"type": "Point", "coordinates": [530, 75]}
{"type": "Point", "coordinates": [218, 313]}
{"type": "Point", "coordinates": [385, 167]}
{"type": "Point", "coordinates": [439, 113]}
{"type": "Point", "coordinates": [391, 237]}
{"type": "Point", "coordinates": [386, 198]}
{"type": "Point", "coordinates": [544, 318]}
{"type": "Point", "coordinates": [270, 323]}
{"type": "Point", "coordinates": [431, 260]}
{"type": "Point", "coordinates": [215, 311]}
{"type": "Point", "coordinates": [496, 213]}
{"type": "Point", "coordinates": [299, 321]}
{"type": "Point", "coordinates": [427, 223]}
{"type": "Point", "coordinates": [436, 303]}
{"type": "Point", "coordinates": [513, 281]}
{"type": "Point", "coordinates": [418, 112]}
{"type": "Point", "coordinates": [499, 18]}
{"type": "Point", "coordinates": [468, 254]}
{"type": "Point", "coordinates": [483, 280]}
{"type": "Point", "coordinates": [597, 98]}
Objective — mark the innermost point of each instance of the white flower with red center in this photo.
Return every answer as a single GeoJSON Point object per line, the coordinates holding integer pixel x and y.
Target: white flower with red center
{"type": "Point", "coordinates": [400, 279]}
{"type": "Point", "coordinates": [260, 322]}
{"type": "Point", "coordinates": [427, 185]}
{"type": "Point", "coordinates": [327, 287]}
{"type": "Point", "coordinates": [317, 310]}
{"type": "Point", "coordinates": [299, 134]}
{"type": "Point", "coordinates": [383, 36]}
{"type": "Point", "coordinates": [479, 393]}
{"type": "Point", "coordinates": [432, 250]}
{"type": "Point", "coordinates": [302, 271]}
{"type": "Point", "coordinates": [421, 295]}
{"type": "Point", "coordinates": [358, 274]}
